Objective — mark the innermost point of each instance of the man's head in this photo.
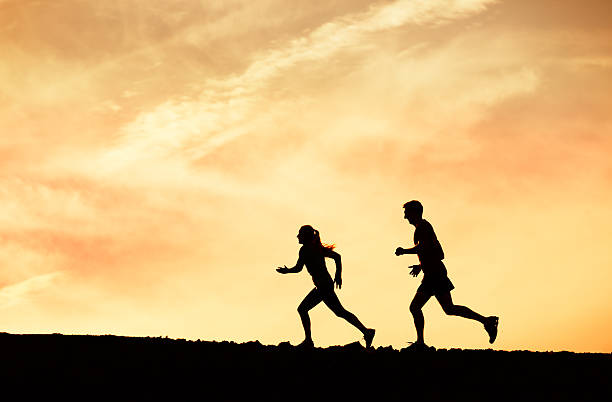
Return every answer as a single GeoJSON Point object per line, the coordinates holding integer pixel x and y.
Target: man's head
{"type": "Point", "coordinates": [413, 211]}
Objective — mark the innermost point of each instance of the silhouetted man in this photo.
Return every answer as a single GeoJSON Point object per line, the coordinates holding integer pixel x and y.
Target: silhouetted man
{"type": "Point", "coordinates": [435, 280]}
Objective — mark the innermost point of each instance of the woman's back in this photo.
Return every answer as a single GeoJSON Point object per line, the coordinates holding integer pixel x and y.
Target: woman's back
{"type": "Point", "coordinates": [313, 257]}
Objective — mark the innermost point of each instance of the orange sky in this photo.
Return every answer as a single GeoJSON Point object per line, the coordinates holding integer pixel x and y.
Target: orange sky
{"type": "Point", "coordinates": [158, 158]}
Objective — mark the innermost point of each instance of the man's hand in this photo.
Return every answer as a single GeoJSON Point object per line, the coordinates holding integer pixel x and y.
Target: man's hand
{"type": "Point", "coordinates": [282, 270]}
{"type": "Point", "coordinates": [338, 281]}
{"type": "Point", "coordinates": [415, 270]}
{"type": "Point", "coordinates": [399, 251]}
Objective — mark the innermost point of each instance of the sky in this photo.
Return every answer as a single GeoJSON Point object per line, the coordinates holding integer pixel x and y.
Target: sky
{"type": "Point", "coordinates": [158, 158]}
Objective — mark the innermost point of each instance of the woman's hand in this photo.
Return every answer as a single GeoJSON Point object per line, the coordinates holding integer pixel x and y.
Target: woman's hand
{"type": "Point", "coordinates": [415, 270]}
{"type": "Point", "coordinates": [338, 281]}
{"type": "Point", "coordinates": [282, 270]}
{"type": "Point", "coordinates": [399, 251]}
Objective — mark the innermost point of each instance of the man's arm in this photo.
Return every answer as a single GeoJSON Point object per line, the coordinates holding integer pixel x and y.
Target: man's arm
{"type": "Point", "coordinates": [415, 269]}
{"type": "Point", "coordinates": [413, 250]}
{"type": "Point", "coordinates": [426, 244]}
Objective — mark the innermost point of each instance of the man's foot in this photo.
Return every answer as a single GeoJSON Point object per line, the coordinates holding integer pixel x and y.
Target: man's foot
{"type": "Point", "coordinates": [491, 327]}
{"type": "Point", "coordinates": [368, 336]}
{"type": "Point", "coordinates": [418, 347]}
{"type": "Point", "coordinates": [306, 344]}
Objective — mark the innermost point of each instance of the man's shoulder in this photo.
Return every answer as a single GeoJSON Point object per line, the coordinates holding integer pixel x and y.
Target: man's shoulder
{"type": "Point", "coordinates": [425, 225]}
{"type": "Point", "coordinates": [425, 228]}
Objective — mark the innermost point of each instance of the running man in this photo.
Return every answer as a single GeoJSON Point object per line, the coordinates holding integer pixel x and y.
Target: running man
{"type": "Point", "coordinates": [312, 254]}
{"type": "Point", "coordinates": [435, 280]}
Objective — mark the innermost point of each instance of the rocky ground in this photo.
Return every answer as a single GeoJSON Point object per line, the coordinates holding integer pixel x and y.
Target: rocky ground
{"type": "Point", "coordinates": [127, 368]}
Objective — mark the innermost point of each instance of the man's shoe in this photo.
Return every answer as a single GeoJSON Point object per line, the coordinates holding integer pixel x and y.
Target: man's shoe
{"type": "Point", "coordinates": [306, 344]}
{"type": "Point", "coordinates": [491, 327]}
{"type": "Point", "coordinates": [418, 347]}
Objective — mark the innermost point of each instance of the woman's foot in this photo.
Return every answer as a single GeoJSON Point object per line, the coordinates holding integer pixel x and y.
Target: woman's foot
{"type": "Point", "coordinates": [369, 336]}
{"type": "Point", "coordinates": [491, 327]}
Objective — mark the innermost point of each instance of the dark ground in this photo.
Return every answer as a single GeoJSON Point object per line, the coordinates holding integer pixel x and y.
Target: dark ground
{"type": "Point", "coordinates": [125, 368]}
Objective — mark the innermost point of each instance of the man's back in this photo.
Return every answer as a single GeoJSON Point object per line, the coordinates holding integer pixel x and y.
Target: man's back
{"type": "Point", "coordinates": [429, 248]}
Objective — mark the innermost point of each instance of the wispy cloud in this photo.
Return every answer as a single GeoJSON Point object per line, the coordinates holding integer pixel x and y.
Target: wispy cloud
{"type": "Point", "coordinates": [161, 160]}
{"type": "Point", "coordinates": [226, 104]}
{"type": "Point", "coordinates": [19, 292]}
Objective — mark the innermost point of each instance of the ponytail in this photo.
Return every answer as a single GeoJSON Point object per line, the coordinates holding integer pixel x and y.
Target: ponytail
{"type": "Point", "coordinates": [317, 240]}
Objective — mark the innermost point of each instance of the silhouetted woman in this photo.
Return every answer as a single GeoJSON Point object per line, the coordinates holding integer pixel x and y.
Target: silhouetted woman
{"type": "Point", "coordinates": [312, 254]}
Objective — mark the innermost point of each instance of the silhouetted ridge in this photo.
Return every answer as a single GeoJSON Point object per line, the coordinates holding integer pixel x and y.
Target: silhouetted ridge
{"type": "Point", "coordinates": [129, 368]}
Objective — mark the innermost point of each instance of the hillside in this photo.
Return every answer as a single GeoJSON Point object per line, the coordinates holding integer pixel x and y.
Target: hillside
{"type": "Point", "coordinates": [128, 368]}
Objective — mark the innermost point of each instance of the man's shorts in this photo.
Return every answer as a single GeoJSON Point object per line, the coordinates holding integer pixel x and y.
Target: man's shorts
{"type": "Point", "coordinates": [433, 285]}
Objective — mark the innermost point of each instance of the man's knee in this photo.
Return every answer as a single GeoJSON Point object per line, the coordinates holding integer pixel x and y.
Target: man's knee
{"type": "Point", "coordinates": [302, 310]}
{"type": "Point", "coordinates": [415, 308]}
{"type": "Point", "coordinates": [449, 309]}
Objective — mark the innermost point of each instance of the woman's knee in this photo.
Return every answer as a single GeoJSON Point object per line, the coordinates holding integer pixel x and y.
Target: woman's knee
{"type": "Point", "coordinates": [340, 311]}
{"type": "Point", "coordinates": [449, 309]}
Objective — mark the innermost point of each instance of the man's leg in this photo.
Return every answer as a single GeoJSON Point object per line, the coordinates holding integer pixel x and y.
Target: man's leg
{"type": "Point", "coordinates": [490, 323]}
{"type": "Point", "coordinates": [446, 301]}
{"type": "Point", "coordinates": [310, 301]}
{"type": "Point", "coordinates": [416, 306]}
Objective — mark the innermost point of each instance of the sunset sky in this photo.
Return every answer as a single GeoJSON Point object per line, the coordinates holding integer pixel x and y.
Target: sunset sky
{"type": "Point", "coordinates": [159, 156]}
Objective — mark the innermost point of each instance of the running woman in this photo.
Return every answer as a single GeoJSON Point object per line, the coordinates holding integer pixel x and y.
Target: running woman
{"type": "Point", "coordinates": [312, 255]}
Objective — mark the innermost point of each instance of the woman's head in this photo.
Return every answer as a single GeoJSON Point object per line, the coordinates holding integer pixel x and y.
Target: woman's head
{"type": "Point", "coordinates": [309, 235]}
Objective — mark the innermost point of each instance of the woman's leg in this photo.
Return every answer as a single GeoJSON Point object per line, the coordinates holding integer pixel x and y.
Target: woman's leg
{"type": "Point", "coordinates": [310, 301]}
{"type": "Point", "coordinates": [331, 300]}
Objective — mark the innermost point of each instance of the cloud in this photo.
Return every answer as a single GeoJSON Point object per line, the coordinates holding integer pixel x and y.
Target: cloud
{"type": "Point", "coordinates": [226, 107]}
{"type": "Point", "coordinates": [162, 160]}
{"type": "Point", "coordinates": [19, 292]}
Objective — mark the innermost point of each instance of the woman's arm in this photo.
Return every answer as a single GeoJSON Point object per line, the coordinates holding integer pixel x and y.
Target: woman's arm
{"type": "Point", "coordinates": [338, 261]}
{"type": "Point", "coordinates": [299, 265]}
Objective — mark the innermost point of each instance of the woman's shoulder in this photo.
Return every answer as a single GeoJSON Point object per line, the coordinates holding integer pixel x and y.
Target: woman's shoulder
{"type": "Point", "coordinates": [308, 250]}
{"type": "Point", "coordinates": [330, 252]}
{"type": "Point", "coordinates": [305, 250]}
